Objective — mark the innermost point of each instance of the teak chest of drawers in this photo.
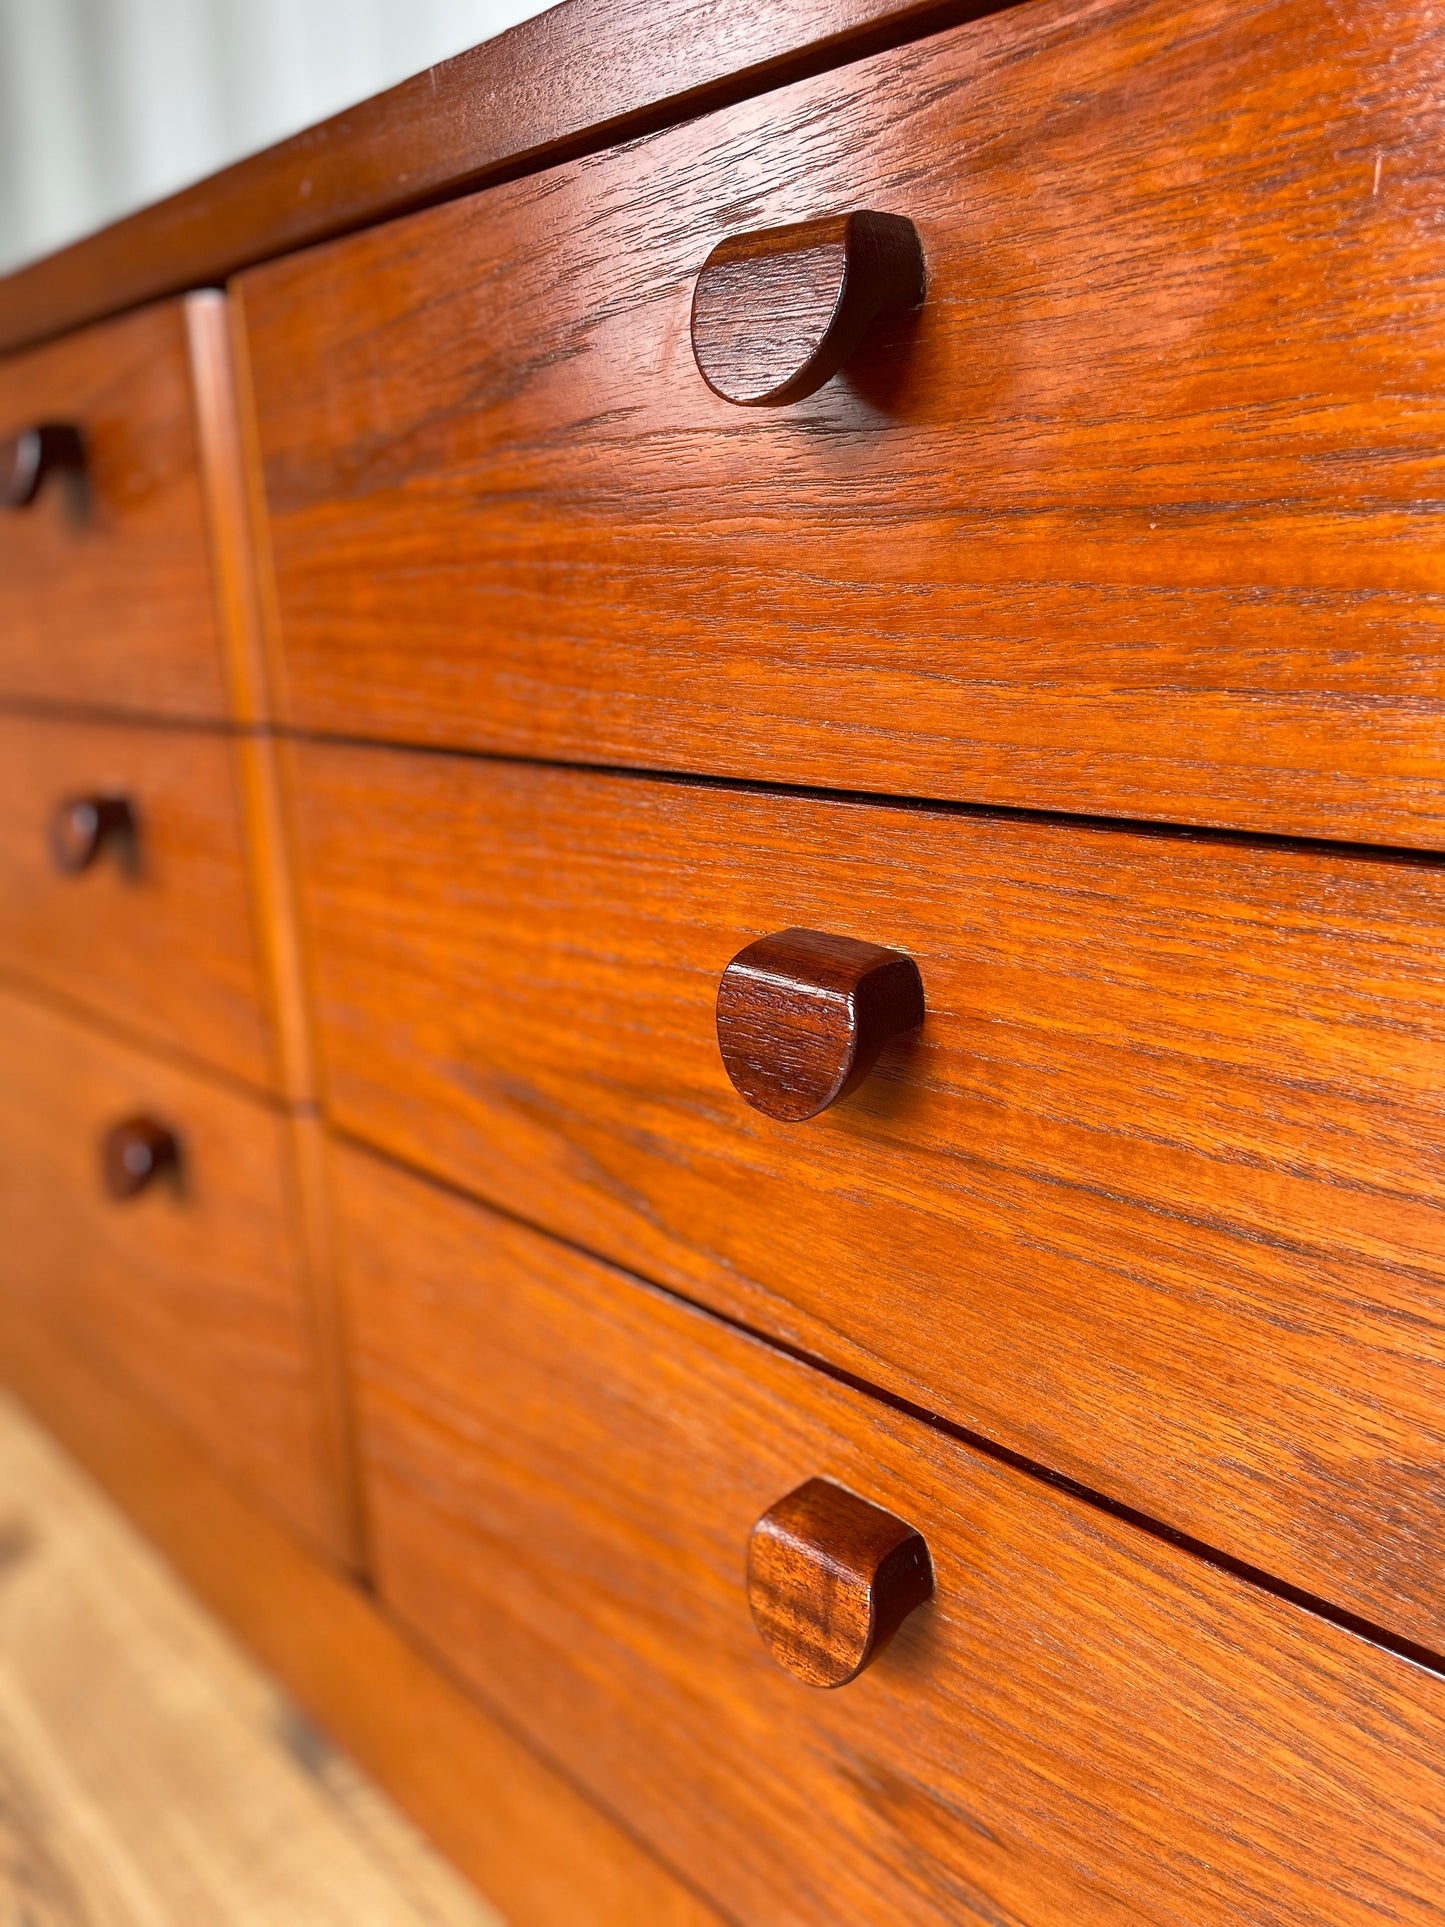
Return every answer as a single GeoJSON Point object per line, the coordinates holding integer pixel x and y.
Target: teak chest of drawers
{"type": "Point", "coordinates": [722, 896]}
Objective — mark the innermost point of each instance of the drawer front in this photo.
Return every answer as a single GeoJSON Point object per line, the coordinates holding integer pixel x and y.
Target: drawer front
{"type": "Point", "coordinates": [192, 1288]}
{"type": "Point", "coordinates": [1084, 1725]}
{"type": "Point", "coordinates": [1152, 1197]}
{"type": "Point", "coordinates": [154, 928]}
{"type": "Point", "coordinates": [1136, 516]}
{"type": "Point", "coordinates": [106, 574]}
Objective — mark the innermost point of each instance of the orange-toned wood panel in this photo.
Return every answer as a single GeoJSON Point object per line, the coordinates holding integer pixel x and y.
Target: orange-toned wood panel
{"type": "Point", "coordinates": [1135, 517]}
{"type": "Point", "coordinates": [242, 574]}
{"type": "Point", "coordinates": [1086, 1725]}
{"type": "Point", "coordinates": [158, 933]}
{"type": "Point", "coordinates": [546, 1855]}
{"type": "Point", "coordinates": [106, 579]}
{"type": "Point", "coordinates": [194, 1289]}
{"type": "Point", "coordinates": [1152, 1197]}
{"type": "Point", "coordinates": [581, 76]}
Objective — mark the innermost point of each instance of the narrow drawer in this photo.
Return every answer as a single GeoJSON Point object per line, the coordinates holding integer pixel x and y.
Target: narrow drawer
{"type": "Point", "coordinates": [106, 575]}
{"type": "Point", "coordinates": [1084, 1725]}
{"type": "Point", "coordinates": [1152, 1197]}
{"type": "Point", "coordinates": [123, 883]}
{"type": "Point", "coordinates": [1135, 516]}
{"type": "Point", "coordinates": [193, 1287]}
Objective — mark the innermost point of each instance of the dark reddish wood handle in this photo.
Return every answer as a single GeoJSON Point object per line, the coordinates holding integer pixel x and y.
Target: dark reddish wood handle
{"type": "Point", "coordinates": [27, 458]}
{"type": "Point", "coordinates": [831, 1578]}
{"type": "Point", "coordinates": [802, 1016]}
{"type": "Point", "coordinates": [134, 1153]}
{"type": "Point", "coordinates": [775, 314]}
{"type": "Point", "coordinates": [81, 826]}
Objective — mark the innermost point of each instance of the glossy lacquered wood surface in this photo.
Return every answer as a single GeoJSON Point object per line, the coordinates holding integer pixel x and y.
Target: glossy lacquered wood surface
{"type": "Point", "coordinates": [105, 578]}
{"type": "Point", "coordinates": [194, 1289]}
{"type": "Point", "coordinates": [1151, 1197]}
{"type": "Point", "coordinates": [1135, 516]}
{"type": "Point", "coordinates": [159, 932]}
{"type": "Point", "coordinates": [778, 312]}
{"type": "Point", "coordinates": [576, 77]}
{"type": "Point", "coordinates": [1085, 1725]}
{"type": "Point", "coordinates": [238, 551]}
{"type": "Point", "coordinates": [831, 1578]}
{"type": "Point", "coordinates": [804, 1015]}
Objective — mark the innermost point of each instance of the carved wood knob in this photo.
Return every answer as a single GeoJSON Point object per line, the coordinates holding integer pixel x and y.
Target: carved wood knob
{"type": "Point", "coordinates": [27, 458]}
{"type": "Point", "coordinates": [802, 1016]}
{"type": "Point", "coordinates": [831, 1578]}
{"type": "Point", "coordinates": [777, 313]}
{"type": "Point", "coordinates": [81, 826]}
{"type": "Point", "coordinates": [134, 1153]}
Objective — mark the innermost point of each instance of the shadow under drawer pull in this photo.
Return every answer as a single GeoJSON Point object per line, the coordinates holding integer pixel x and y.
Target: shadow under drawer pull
{"type": "Point", "coordinates": [802, 1016]}
{"type": "Point", "coordinates": [777, 313]}
{"type": "Point", "coordinates": [134, 1153]}
{"type": "Point", "coordinates": [831, 1578]}
{"type": "Point", "coordinates": [81, 826]}
{"type": "Point", "coordinates": [27, 458]}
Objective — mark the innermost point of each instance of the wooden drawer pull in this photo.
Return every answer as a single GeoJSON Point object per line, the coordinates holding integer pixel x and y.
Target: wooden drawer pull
{"type": "Point", "coordinates": [81, 826]}
{"type": "Point", "coordinates": [831, 1578]}
{"type": "Point", "coordinates": [802, 1016]}
{"type": "Point", "coordinates": [777, 313]}
{"type": "Point", "coordinates": [134, 1153]}
{"type": "Point", "coordinates": [27, 458]}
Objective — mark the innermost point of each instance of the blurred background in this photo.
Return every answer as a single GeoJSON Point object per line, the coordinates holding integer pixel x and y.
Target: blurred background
{"type": "Point", "coordinates": [108, 104]}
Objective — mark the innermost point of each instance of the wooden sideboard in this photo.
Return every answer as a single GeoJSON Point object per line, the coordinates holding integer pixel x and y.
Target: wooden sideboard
{"type": "Point", "coordinates": [722, 874]}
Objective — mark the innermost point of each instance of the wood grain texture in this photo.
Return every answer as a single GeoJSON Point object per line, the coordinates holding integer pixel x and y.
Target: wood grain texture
{"type": "Point", "coordinates": [241, 567]}
{"type": "Point", "coordinates": [1151, 1198]}
{"type": "Point", "coordinates": [163, 936]}
{"type": "Point", "coordinates": [546, 1855]}
{"type": "Point", "coordinates": [107, 592]}
{"type": "Point", "coordinates": [803, 1016]}
{"type": "Point", "coordinates": [578, 77]}
{"type": "Point", "coordinates": [831, 1578]}
{"type": "Point", "coordinates": [150, 1774]}
{"type": "Point", "coordinates": [1085, 1725]}
{"type": "Point", "coordinates": [777, 312]}
{"type": "Point", "coordinates": [194, 1291]}
{"type": "Point", "coordinates": [1134, 517]}
{"type": "Point", "coordinates": [237, 558]}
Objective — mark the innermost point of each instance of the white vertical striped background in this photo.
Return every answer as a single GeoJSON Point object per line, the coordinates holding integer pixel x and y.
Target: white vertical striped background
{"type": "Point", "coordinates": [108, 104]}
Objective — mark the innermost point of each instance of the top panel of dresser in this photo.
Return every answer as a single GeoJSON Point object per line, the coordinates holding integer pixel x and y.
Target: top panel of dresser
{"type": "Point", "coordinates": [580, 75]}
{"type": "Point", "coordinates": [106, 571]}
{"type": "Point", "coordinates": [1134, 516]}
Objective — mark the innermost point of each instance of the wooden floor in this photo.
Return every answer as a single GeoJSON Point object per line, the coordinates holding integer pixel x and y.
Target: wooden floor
{"type": "Point", "coordinates": [150, 1775]}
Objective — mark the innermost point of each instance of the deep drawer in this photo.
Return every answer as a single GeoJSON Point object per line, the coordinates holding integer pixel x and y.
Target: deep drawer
{"type": "Point", "coordinates": [1085, 1725]}
{"type": "Point", "coordinates": [1136, 516]}
{"type": "Point", "coordinates": [1152, 1197]}
{"type": "Point", "coordinates": [107, 586]}
{"type": "Point", "coordinates": [193, 1288]}
{"type": "Point", "coordinates": [150, 924]}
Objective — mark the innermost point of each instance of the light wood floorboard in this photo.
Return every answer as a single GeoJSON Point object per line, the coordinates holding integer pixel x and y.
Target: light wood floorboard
{"type": "Point", "coordinates": [150, 1774]}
